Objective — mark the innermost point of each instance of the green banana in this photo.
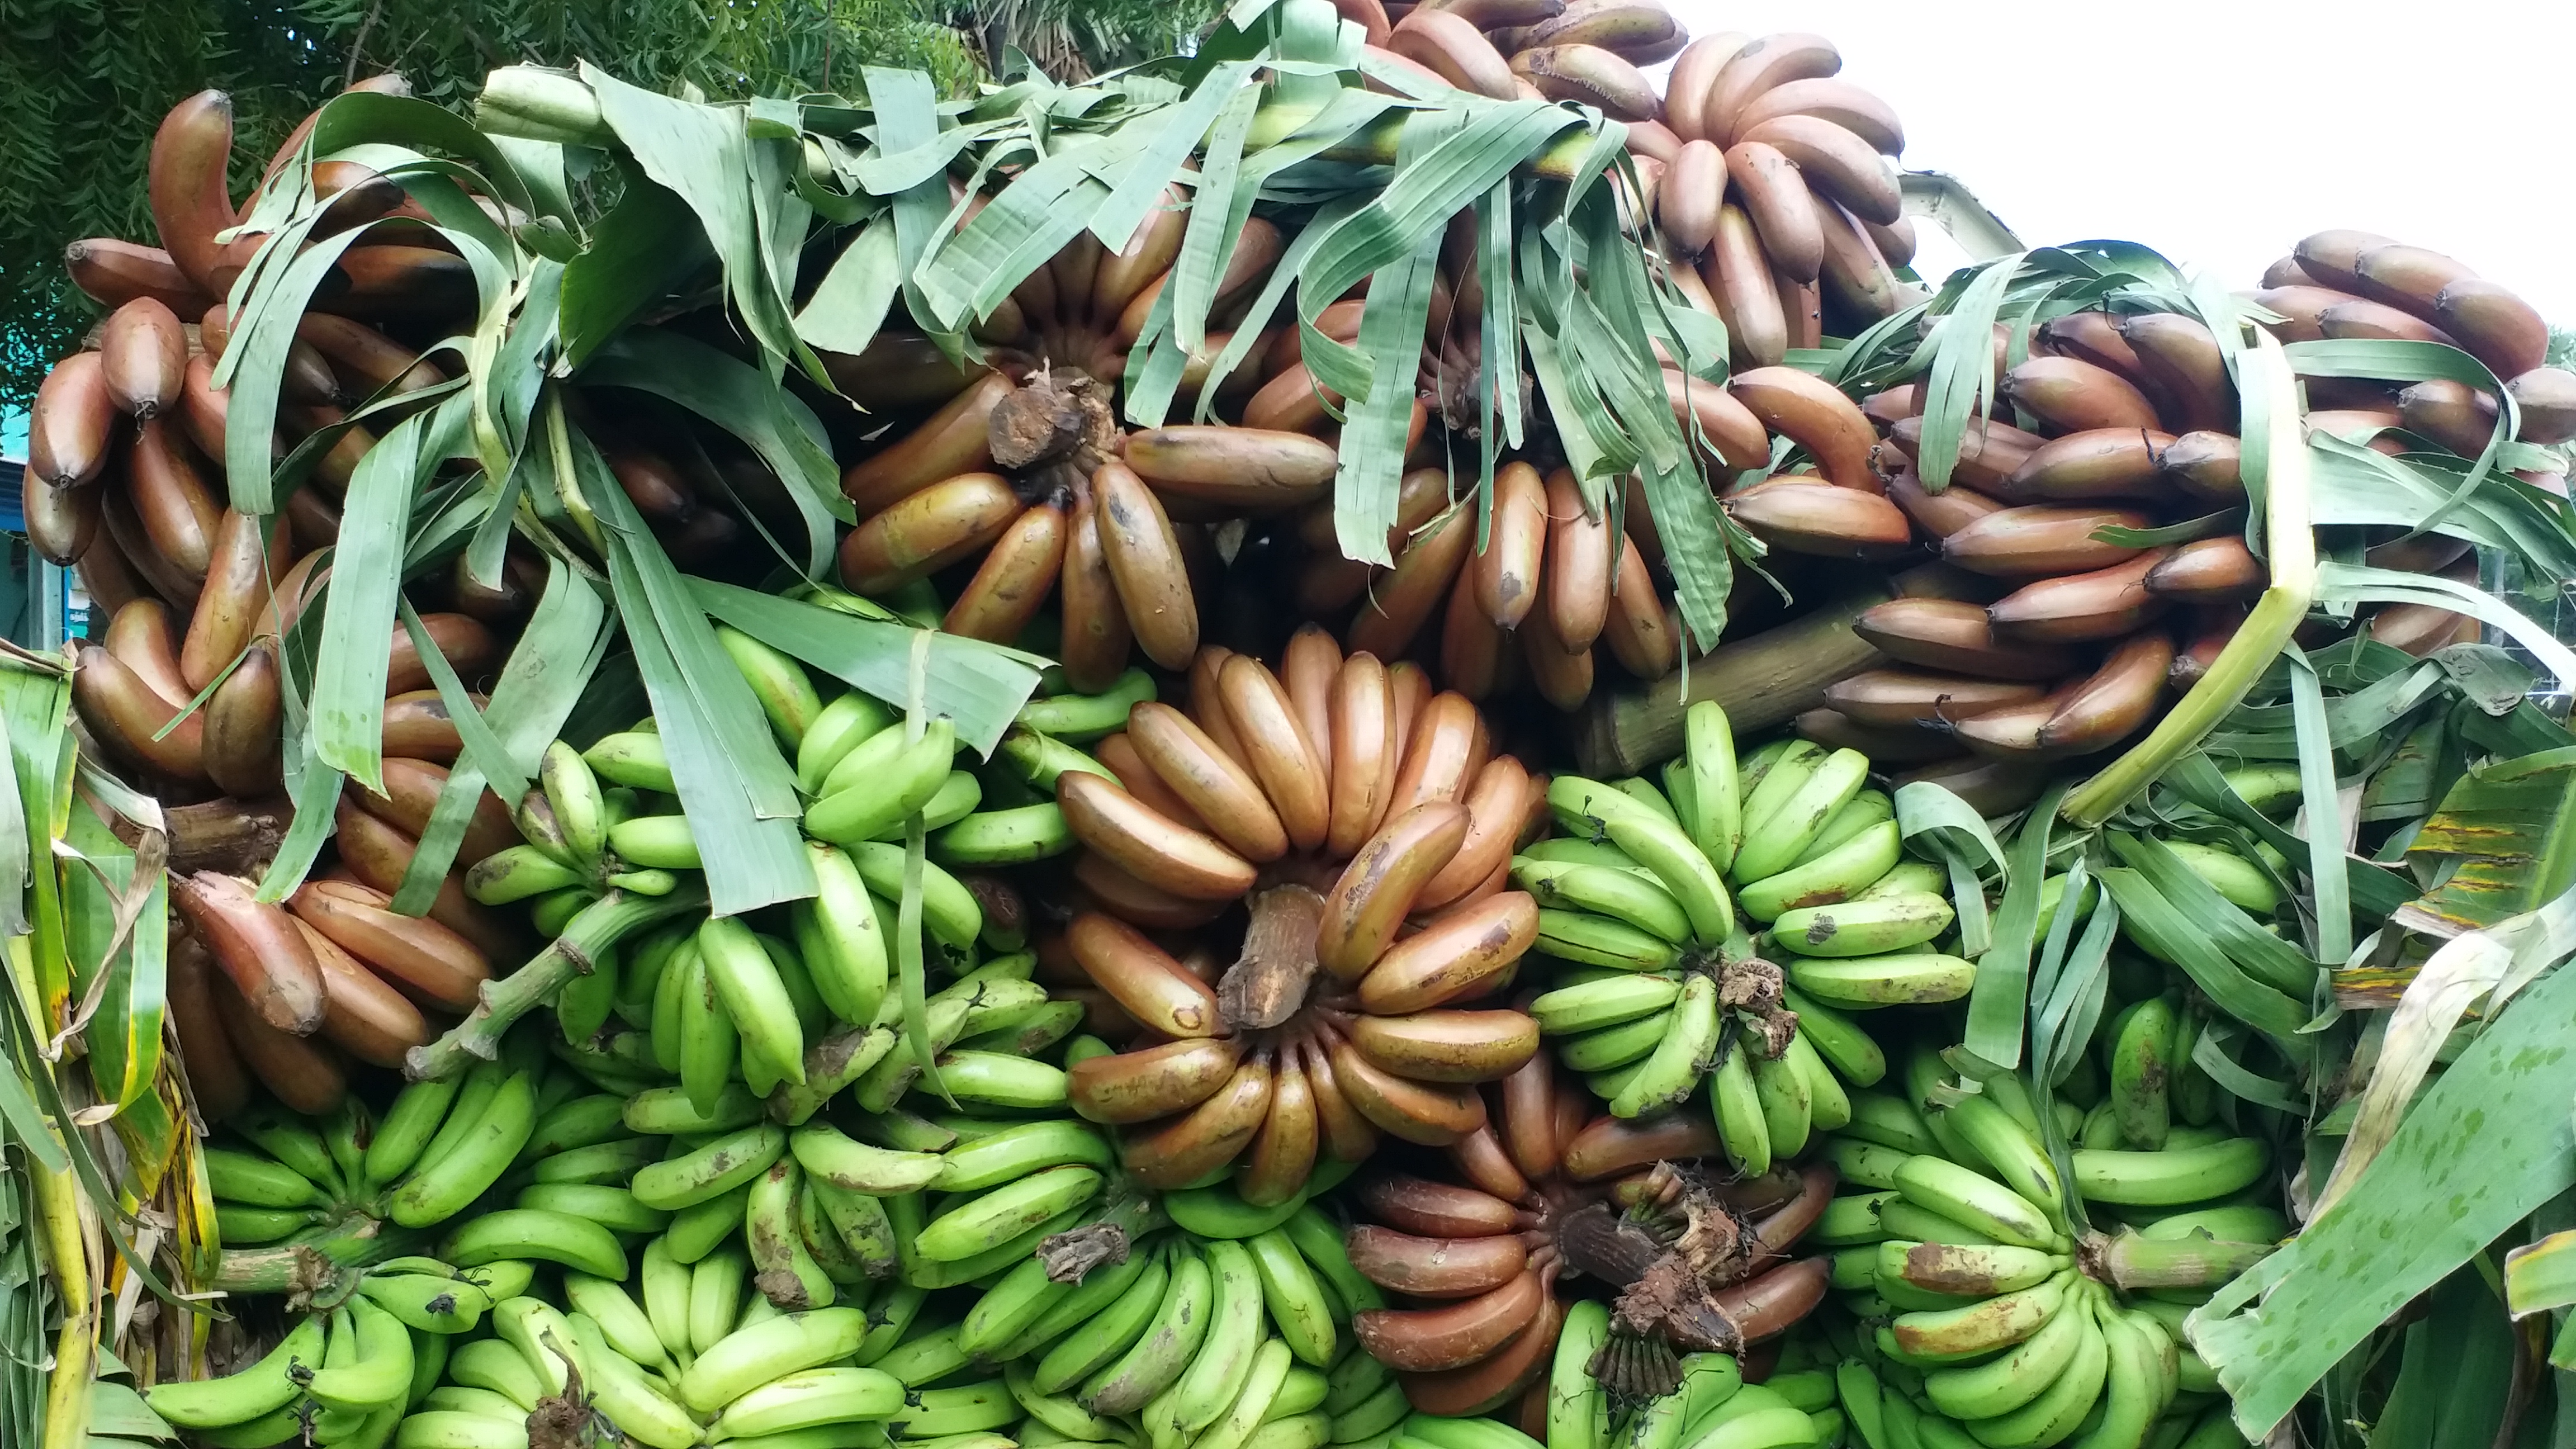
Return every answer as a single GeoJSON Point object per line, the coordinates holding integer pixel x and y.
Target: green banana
{"type": "Point", "coordinates": [2010, 1380]}
{"type": "Point", "coordinates": [409, 1125]}
{"type": "Point", "coordinates": [838, 935]}
{"type": "Point", "coordinates": [1861, 928]}
{"type": "Point", "coordinates": [1952, 1335]}
{"type": "Point", "coordinates": [378, 1374]}
{"type": "Point", "coordinates": [710, 1045]}
{"type": "Point", "coordinates": [1900, 979]}
{"type": "Point", "coordinates": [715, 1297]}
{"type": "Point", "coordinates": [432, 1303]}
{"type": "Point", "coordinates": [1298, 1307]}
{"type": "Point", "coordinates": [811, 1397]}
{"type": "Point", "coordinates": [1714, 821]}
{"type": "Point", "coordinates": [882, 781]}
{"type": "Point", "coordinates": [1013, 836]}
{"type": "Point", "coordinates": [834, 1157]}
{"type": "Point", "coordinates": [754, 997]}
{"type": "Point", "coordinates": [2171, 1177]}
{"type": "Point", "coordinates": [1612, 1047]}
{"type": "Point", "coordinates": [634, 758]}
{"type": "Point", "coordinates": [947, 907]}
{"type": "Point", "coordinates": [573, 792]}
{"type": "Point", "coordinates": [1119, 1309]}
{"type": "Point", "coordinates": [1170, 1343]}
{"type": "Point", "coordinates": [1838, 1039]}
{"type": "Point", "coordinates": [1846, 872]}
{"type": "Point", "coordinates": [1888, 1121]}
{"type": "Point", "coordinates": [258, 1182]}
{"type": "Point", "coordinates": [1736, 1103]}
{"type": "Point", "coordinates": [489, 1363]}
{"type": "Point", "coordinates": [1674, 1066]}
{"type": "Point", "coordinates": [599, 1163]}
{"type": "Point", "coordinates": [786, 695]}
{"type": "Point", "coordinates": [1633, 896]}
{"type": "Point", "coordinates": [1082, 718]}
{"type": "Point", "coordinates": [655, 842]}
{"type": "Point", "coordinates": [755, 1355]}
{"type": "Point", "coordinates": [711, 1170]}
{"type": "Point", "coordinates": [2142, 1069]}
{"type": "Point", "coordinates": [1660, 846]}
{"type": "Point", "coordinates": [1788, 1108]}
{"type": "Point", "coordinates": [1590, 940]}
{"type": "Point", "coordinates": [1003, 1213]}
{"type": "Point", "coordinates": [536, 1234]}
{"type": "Point", "coordinates": [455, 1171]}
{"type": "Point", "coordinates": [838, 728]}
{"type": "Point", "coordinates": [1866, 809]}
{"type": "Point", "coordinates": [788, 1273]}
{"type": "Point", "coordinates": [2059, 1409]}
{"type": "Point", "coordinates": [1975, 1200]}
{"type": "Point", "coordinates": [1774, 842]}
{"type": "Point", "coordinates": [1608, 1001]}
{"type": "Point", "coordinates": [293, 1141]}
{"type": "Point", "coordinates": [1001, 1079]}
{"type": "Point", "coordinates": [1828, 1103]}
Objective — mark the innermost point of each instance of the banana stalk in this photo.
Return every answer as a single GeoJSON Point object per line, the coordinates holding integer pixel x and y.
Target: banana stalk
{"type": "Point", "coordinates": [2293, 549]}
{"type": "Point", "coordinates": [320, 1263]}
{"type": "Point", "coordinates": [601, 924]}
{"type": "Point", "coordinates": [70, 1226]}
{"type": "Point", "coordinates": [1763, 681]}
{"type": "Point", "coordinates": [2135, 1262]}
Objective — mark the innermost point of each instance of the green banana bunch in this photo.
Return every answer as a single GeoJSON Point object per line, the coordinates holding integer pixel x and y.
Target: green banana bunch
{"type": "Point", "coordinates": [346, 1377]}
{"type": "Point", "coordinates": [1666, 990]}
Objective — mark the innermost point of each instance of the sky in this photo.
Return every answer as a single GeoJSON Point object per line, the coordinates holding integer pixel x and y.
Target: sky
{"type": "Point", "coordinates": [2221, 133]}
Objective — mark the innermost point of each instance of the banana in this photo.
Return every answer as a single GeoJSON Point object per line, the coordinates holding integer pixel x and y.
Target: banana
{"type": "Point", "coordinates": [293, 1142]}
{"type": "Point", "coordinates": [2172, 1177]}
{"type": "Point", "coordinates": [621, 1391]}
{"type": "Point", "coordinates": [1170, 1343]}
{"type": "Point", "coordinates": [2012, 1379]}
{"type": "Point", "coordinates": [1623, 895]}
{"type": "Point", "coordinates": [1736, 1103]}
{"type": "Point", "coordinates": [1298, 1305]}
{"type": "Point", "coordinates": [1840, 1041]}
{"type": "Point", "coordinates": [655, 842]}
{"type": "Point", "coordinates": [709, 1044]}
{"type": "Point", "coordinates": [1086, 1343]}
{"type": "Point", "coordinates": [761, 1352]}
{"type": "Point", "coordinates": [2136, 1382]}
{"type": "Point", "coordinates": [755, 998]}
{"type": "Point", "coordinates": [380, 1369]}
{"type": "Point", "coordinates": [1002, 1080]}
{"type": "Point", "coordinates": [1058, 1417]}
{"type": "Point", "coordinates": [1898, 979]}
{"type": "Point", "coordinates": [1081, 718]}
{"type": "Point", "coordinates": [601, 1163]}
{"type": "Point", "coordinates": [1235, 1337]}
{"type": "Point", "coordinates": [1828, 1102]}
{"type": "Point", "coordinates": [1591, 940]}
{"type": "Point", "coordinates": [2142, 1068]}
{"type": "Point", "coordinates": [467, 1157]}
{"type": "Point", "coordinates": [1765, 779]}
{"type": "Point", "coordinates": [623, 1324]}
{"type": "Point", "coordinates": [947, 907]}
{"type": "Point", "coordinates": [1009, 1308]}
{"type": "Point", "coordinates": [491, 1364]}
{"type": "Point", "coordinates": [430, 1303]}
{"type": "Point", "coordinates": [535, 1233]}
{"type": "Point", "coordinates": [543, 1338]}
{"type": "Point", "coordinates": [838, 728]}
{"type": "Point", "coordinates": [2014, 1155]}
{"type": "Point", "coordinates": [1788, 1107]}
{"type": "Point", "coordinates": [1616, 1046]}
{"type": "Point", "coordinates": [871, 791]}
{"type": "Point", "coordinates": [788, 1273]}
{"type": "Point", "coordinates": [709, 1171]}
{"type": "Point", "coordinates": [1774, 843]}
{"type": "Point", "coordinates": [1661, 847]}
{"type": "Point", "coordinates": [1966, 1270]}
{"type": "Point", "coordinates": [1005, 837]}
{"type": "Point", "coordinates": [1005, 1212]}
{"type": "Point", "coordinates": [1975, 1200]}
{"type": "Point", "coordinates": [635, 759]}
{"type": "Point", "coordinates": [2062, 1407]}
{"type": "Point", "coordinates": [1674, 1067]}
{"type": "Point", "coordinates": [1846, 872]}
{"type": "Point", "coordinates": [1861, 928]}
{"type": "Point", "coordinates": [242, 1178]}
{"type": "Point", "coordinates": [1219, 1211]}
{"type": "Point", "coordinates": [580, 809]}
{"type": "Point", "coordinates": [1953, 1335]}
{"type": "Point", "coordinates": [1014, 1152]}
{"type": "Point", "coordinates": [785, 693]}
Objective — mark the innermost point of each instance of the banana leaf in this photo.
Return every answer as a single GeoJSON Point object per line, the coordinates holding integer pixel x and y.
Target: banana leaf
{"type": "Point", "coordinates": [1940, 826]}
{"type": "Point", "coordinates": [2455, 1370]}
{"type": "Point", "coordinates": [116, 909]}
{"type": "Point", "coordinates": [2000, 1000]}
{"type": "Point", "coordinates": [2508, 828]}
{"type": "Point", "coordinates": [2490, 1142]}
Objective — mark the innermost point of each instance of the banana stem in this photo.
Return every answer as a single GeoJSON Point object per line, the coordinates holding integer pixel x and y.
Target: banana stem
{"type": "Point", "coordinates": [538, 104]}
{"type": "Point", "coordinates": [2133, 1262]}
{"type": "Point", "coordinates": [1766, 680]}
{"type": "Point", "coordinates": [67, 1237]}
{"type": "Point", "coordinates": [1130, 1214]}
{"type": "Point", "coordinates": [316, 1263]}
{"type": "Point", "coordinates": [600, 925]}
{"type": "Point", "coordinates": [2292, 545]}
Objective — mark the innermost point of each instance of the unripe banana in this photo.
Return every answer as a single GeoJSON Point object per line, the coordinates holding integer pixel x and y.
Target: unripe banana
{"type": "Point", "coordinates": [1674, 1067]}
{"type": "Point", "coordinates": [636, 759]}
{"type": "Point", "coordinates": [1736, 1103]}
{"type": "Point", "coordinates": [1861, 928]}
{"type": "Point", "coordinates": [786, 695]}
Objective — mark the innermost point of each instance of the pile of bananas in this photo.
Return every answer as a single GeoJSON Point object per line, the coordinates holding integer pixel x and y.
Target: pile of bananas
{"type": "Point", "coordinates": [1983, 1308]}
{"type": "Point", "coordinates": [1337, 804]}
{"type": "Point", "coordinates": [1548, 1196]}
{"type": "Point", "coordinates": [1667, 987]}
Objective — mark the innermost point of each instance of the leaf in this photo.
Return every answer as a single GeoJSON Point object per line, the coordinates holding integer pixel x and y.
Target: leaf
{"type": "Point", "coordinates": [744, 401]}
{"type": "Point", "coordinates": [116, 1408]}
{"type": "Point", "coordinates": [348, 703]}
{"type": "Point", "coordinates": [2321, 813]}
{"type": "Point", "coordinates": [2417, 362]}
{"type": "Point", "coordinates": [1940, 825]}
{"type": "Point", "coordinates": [638, 252]}
{"type": "Point", "coordinates": [2541, 1275]}
{"type": "Point", "coordinates": [850, 304]}
{"type": "Point", "coordinates": [2001, 997]}
{"type": "Point", "coordinates": [978, 686]}
{"type": "Point", "coordinates": [2171, 934]}
{"type": "Point", "coordinates": [703, 155]}
{"type": "Point", "coordinates": [739, 794]}
{"type": "Point", "coordinates": [2342, 585]}
{"type": "Point", "coordinates": [116, 938]}
{"type": "Point", "coordinates": [2490, 1142]}
{"type": "Point", "coordinates": [2454, 1374]}
{"type": "Point", "coordinates": [1372, 443]}
{"type": "Point", "coordinates": [2260, 954]}
{"type": "Point", "coordinates": [1961, 380]}
{"type": "Point", "coordinates": [2509, 827]}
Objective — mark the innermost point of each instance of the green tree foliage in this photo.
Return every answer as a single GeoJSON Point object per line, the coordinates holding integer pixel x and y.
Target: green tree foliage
{"type": "Point", "coordinates": [83, 84]}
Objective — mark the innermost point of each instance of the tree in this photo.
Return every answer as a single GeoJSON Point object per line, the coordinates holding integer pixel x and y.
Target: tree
{"type": "Point", "coordinates": [83, 84]}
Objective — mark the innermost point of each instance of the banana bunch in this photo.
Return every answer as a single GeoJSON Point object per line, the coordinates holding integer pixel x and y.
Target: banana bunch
{"type": "Point", "coordinates": [1189, 1336]}
{"type": "Point", "coordinates": [1552, 570]}
{"type": "Point", "coordinates": [280, 1174]}
{"type": "Point", "coordinates": [1666, 993]}
{"type": "Point", "coordinates": [344, 1377]}
{"type": "Point", "coordinates": [1715, 1405]}
{"type": "Point", "coordinates": [1338, 800]}
{"type": "Point", "coordinates": [1546, 1198]}
{"type": "Point", "coordinates": [284, 995]}
{"type": "Point", "coordinates": [1980, 1306]}
{"type": "Point", "coordinates": [697, 1360]}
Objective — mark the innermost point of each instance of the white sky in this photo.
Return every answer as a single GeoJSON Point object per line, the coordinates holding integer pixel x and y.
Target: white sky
{"type": "Point", "coordinates": [2221, 131]}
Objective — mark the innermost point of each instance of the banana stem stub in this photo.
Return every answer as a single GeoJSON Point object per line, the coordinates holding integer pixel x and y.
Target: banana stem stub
{"type": "Point", "coordinates": [1267, 983]}
{"type": "Point", "coordinates": [2133, 1262]}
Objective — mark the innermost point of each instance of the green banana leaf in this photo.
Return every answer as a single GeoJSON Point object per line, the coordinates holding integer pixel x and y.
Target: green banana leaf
{"type": "Point", "coordinates": [2490, 1142]}
{"type": "Point", "coordinates": [2508, 829]}
{"type": "Point", "coordinates": [116, 904]}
